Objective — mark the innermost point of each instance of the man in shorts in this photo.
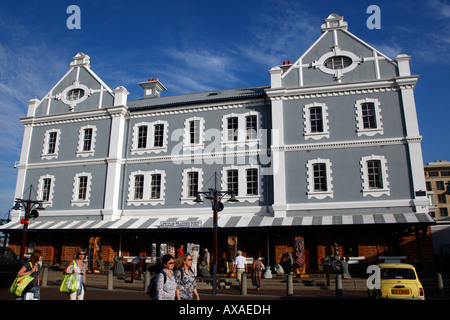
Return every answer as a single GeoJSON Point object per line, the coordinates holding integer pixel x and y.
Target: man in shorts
{"type": "Point", "coordinates": [240, 266]}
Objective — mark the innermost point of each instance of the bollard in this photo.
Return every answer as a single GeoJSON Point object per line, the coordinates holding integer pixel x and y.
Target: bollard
{"type": "Point", "coordinates": [110, 280]}
{"type": "Point", "coordinates": [244, 284]}
{"type": "Point", "coordinates": [44, 277]}
{"type": "Point", "coordinates": [289, 285]}
{"type": "Point", "coordinates": [146, 280]}
{"type": "Point", "coordinates": [339, 292]}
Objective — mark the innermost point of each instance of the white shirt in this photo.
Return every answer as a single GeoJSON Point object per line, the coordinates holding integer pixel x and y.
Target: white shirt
{"type": "Point", "coordinates": [240, 262]}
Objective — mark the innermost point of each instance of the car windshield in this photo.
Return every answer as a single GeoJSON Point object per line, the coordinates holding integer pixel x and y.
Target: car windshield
{"type": "Point", "coordinates": [398, 273]}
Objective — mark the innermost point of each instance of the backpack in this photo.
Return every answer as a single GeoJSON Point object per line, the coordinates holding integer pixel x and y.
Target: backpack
{"type": "Point", "coordinates": [151, 289]}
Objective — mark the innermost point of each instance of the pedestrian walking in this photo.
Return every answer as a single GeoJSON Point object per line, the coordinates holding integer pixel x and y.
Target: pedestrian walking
{"type": "Point", "coordinates": [33, 268]}
{"type": "Point", "coordinates": [180, 251]}
{"type": "Point", "coordinates": [257, 269]}
{"type": "Point", "coordinates": [185, 278]}
{"type": "Point", "coordinates": [206, 258]}
{"type": "Point", "coordinates": [165, 283]}
{"type": "Point", "coordinates": [195, 260]}
{"type": "Point", "coordinates": [240, 266]}
{"type": "Point", "coordinates": [77, 266]}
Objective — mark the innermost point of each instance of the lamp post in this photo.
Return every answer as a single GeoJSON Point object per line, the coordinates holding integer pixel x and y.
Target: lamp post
{"type": "Point", "coordinates": [31, 211]}
{"type": "Point", "coordinates": [215, 196]}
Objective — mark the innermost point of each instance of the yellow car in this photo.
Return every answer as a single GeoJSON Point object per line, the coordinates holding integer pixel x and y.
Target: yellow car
{"type": "Point", "coordinates": [397, 281]}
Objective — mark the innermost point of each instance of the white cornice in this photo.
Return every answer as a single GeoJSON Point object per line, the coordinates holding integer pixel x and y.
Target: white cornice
{"type": "Point", "coordinates": [341, 89]}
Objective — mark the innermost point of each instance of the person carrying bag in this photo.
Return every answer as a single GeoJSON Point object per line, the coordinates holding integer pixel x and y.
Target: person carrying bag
{"type": "Point", "coordinates": [26, 284]}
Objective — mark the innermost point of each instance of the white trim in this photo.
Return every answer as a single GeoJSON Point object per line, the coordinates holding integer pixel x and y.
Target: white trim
{"type": "Point", "coordinates": [242, 182]}
{"type": "Point", "coordinates": [147, 188]}
{"type": "Point", "coordinates": [307, 121]}
{"type": "Point", "coordinates": [45, 154]}
{"type": "Point", "coordinates": [40, 189]}
{"type": "Point", "coordinates": [184, 189]}
{"type": "Point", "coordinates": [241, 130]}
{"type": "Point", "coordinates": [187, 145]}
{"type": "Point", "coordinates": [359, 119]}
{"type": "Point", "coordinates": [150, 145]}
{"type": "Point", "coordinates": [85, 153]}
{"type": "Point", "coordinates": [365, 178]}
{"type": "Point", "coordinates": [310, 179]}
{"type": "Point", "coordinates": [76, 185]}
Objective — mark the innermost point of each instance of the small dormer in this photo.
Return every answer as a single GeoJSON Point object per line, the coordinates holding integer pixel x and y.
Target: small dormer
{"type": "Point", "coordinates": [152, 88]}
{"type": "Point", "coordinates": [81, 59]}
{"type": "Point", "coordinates": [333, 22]}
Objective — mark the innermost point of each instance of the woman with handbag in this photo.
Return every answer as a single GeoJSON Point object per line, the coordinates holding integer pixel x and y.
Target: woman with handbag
{"type": "Point", "coordinates": [77, 266]}
{"type": "Point", "coordinates": [32, 268]}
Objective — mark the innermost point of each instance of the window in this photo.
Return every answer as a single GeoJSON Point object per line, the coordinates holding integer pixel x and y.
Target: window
{"type": "Point", "coordinates": [443, 212]}
{"type": "Point", "coordinates": [442, 198]}
{"type": "Point", "coordinates": [319, 180]}
{"type": "Point", "coordinates": [240, 129]}
{"type": "Point", "coordinates": [142, 137]}
{"type": "Point", "coordinates": [244, 181]}
{"type": "Point", "coordinates": [374, 173]}
{"type": "Point", "coordinates": [252, 182]}
{"type": "Point", "coordinates": [338, 62]}
{"type": "Point", "coordinates": [81, 189]}
{"type": "Point", "coordinates": [46, 185]}
{"type": "Point", "coordinates": [155, 186]}
{"type": "Point", "coordinates": [139, 187]}
{"type": "Point", "coordinates": [86, 141]}
{"type": "Point", "coordinates": [440, 185]}
{"type": "Point", "coordinates": [75, 94]}
{"type": "Point", "coordinates": [194, 133]}
{"type": "Point", "coordinates": [146, 188]}
{"type": "Point", "coordinates": [192, 182]}
{"type": "Point", "coordinates": [315, 121]}
{"type": "Point", "coordinates": [51, 144]}
{"type": "Point", "coordinates": [251, 126]}
{"type": "Point", "coordinates": [149, 137]}
{"type": "Point", "coordinates": [232, 181]}
{"type": "Point", "coordinates": [428, 184]}
{"type": "Point", "coordinates": [368, 117]}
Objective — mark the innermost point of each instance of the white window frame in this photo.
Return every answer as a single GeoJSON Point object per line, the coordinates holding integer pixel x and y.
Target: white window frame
{"type": "Point", "coordinates": [146, 200]}
{"type": "Point", "coordinates": [76, 185]}
{"type": "Point", "coordinates": [40, 189]}
{"type": "Point", "coordinates": [242, 182]}
{"type": "Point", "coordinates": [242, 129]}
{"type": "Point", "coordinates": [365, 177]}
{"type": "Point", "coordinates": [310, 179]}
{"type": "Point", "coordinates": [359, 118]}
{"type": "Point", "coordinates": [307, 121]}
{"type": "Point", "coordinates": [150, 145]}
{"type": "Point", "coordinates": [45, 154]}
{"type": "Point", "coordinates": [187, 145]}
{"type": "Point", "coordinates": [85, 153]}
{"type": "Point", "coordinates": [184, 185]}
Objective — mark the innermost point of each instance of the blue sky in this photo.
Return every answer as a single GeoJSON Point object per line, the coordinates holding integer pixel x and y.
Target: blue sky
{"type": "Point", "coordinates": [194, 46]}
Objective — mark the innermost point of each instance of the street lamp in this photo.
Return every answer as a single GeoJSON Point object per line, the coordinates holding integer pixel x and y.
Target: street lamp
{"type": "Point", "coordinates": [215, 196]}
{"type": "Point", "coordinates": [31, 211]}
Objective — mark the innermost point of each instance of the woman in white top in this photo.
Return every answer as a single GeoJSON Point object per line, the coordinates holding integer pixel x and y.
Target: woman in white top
{"type": "Point", "coordinates": [78, 266]}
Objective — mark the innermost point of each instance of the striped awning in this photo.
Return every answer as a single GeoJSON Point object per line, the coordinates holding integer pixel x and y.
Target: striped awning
{"type": "Point", "coordinates": [201, 222]}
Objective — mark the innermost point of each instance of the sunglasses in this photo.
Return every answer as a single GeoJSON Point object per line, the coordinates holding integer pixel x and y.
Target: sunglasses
{"type": "Point", "coordinates": [188, 259]}
{"type": "Point", "coordinates": [170, 262]}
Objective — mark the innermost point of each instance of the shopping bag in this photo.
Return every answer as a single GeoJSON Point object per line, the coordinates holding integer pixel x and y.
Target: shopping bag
{"type": "Point", "coordinates": [19, 284]}
{"type": "Point", "coordinates": [69, 283]}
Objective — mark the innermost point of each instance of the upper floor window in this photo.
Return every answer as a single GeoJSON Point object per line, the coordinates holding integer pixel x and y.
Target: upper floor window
{"type": "Point", "coordinates": [75, 94]}
{"type": "Point", "coordinates": [147, 187]}
{"type": "Point", "coordinates": [338, 62]}
{"type": "Point", "coordinates": [46, 186]}
{"type": "Point", "coordinates": [240, 129]}
{"type": "Point", "coordinates": [81, 189]}
{"type": "Point", "coordinates": [374, 176]}
{"type": "Point", "coordinates": [319, 179]}
{"type": "Point", "coordinates": [368, 117]}
{"type": "Point", "coordinates": [244, 180]}
{"type": "Point", "coordinates": [86, 141]}
{"type": "Point", "coordinates": [192, 183]}
{"type": "Point", "coordinates": [194, 131]}
{"type": "Point", "coordinates": [51, 144]}
{"type": "Point", "coordinates": [149, 137]}
{"type": "Point", "coordinates": [315, 121]}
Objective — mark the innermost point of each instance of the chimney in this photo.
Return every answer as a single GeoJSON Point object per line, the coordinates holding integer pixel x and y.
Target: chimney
{"type": "Point", "coordinates": [152, 88]}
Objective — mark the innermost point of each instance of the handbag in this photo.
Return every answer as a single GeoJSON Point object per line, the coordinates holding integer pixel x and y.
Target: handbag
{"type": "Point", "coordinates": [69, 282]}
{"type": "Point", "coordinates": [20, 283]}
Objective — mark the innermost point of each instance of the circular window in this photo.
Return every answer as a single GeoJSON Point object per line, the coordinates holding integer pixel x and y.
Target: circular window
{"type": "Point", "coordinates": [75, 94]}
{"type": "Point", "coordinates": [338, 62]}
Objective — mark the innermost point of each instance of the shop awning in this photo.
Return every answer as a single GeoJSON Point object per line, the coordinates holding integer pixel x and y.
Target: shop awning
{"type": "Point", "coordinates": [162, 223]}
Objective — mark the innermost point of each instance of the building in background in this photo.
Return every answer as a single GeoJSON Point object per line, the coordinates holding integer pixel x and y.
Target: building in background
{"type": "Point", "coordinates": [437, 176]}
{"type": "Point", "coordinates": [326, 154]}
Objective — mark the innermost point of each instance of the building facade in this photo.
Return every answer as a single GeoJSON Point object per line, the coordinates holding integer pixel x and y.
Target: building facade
{"type": "Point", "coordinates": [328, 152]}
{"type": "Point", "coordinates": [437, 176]}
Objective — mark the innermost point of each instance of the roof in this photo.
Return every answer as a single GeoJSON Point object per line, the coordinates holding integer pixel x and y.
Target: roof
{"type": "Point", "coordinates": [197, 98]}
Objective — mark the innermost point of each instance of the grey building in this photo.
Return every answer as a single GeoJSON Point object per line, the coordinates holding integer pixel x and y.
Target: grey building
{"type": "Point", "coordinates": [328, 152]}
